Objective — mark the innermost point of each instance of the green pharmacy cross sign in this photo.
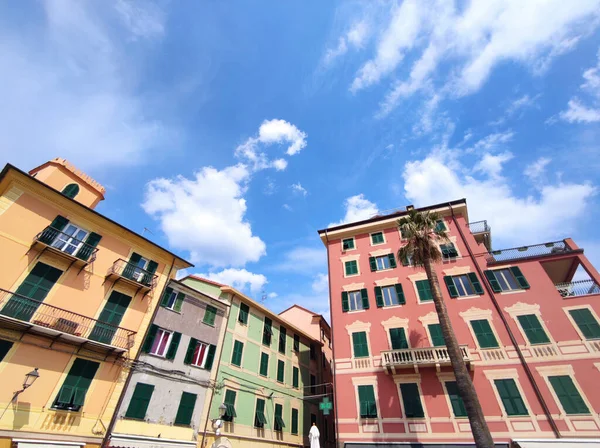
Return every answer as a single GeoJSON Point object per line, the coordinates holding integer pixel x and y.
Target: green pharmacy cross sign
{"type": "Point", "coordinates": [325, 405]}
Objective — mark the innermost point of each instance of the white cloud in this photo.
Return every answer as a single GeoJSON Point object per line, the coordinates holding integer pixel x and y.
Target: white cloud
{"type": "Point", "coordinates": [578, 113]}
{"type": "Point", "coordinates": [320, 283]}
{"type": "Point", "coordinates": [355, 37]}
{"type": "Point", "coordinates": [492, 164]}
{"type": "Point", "coordinates": [304, 260]}
{"type": "Point", "coordinates": [240, 279]}
{"type": "Point", "coordinates": [280, 164]}
{"type": "Point", "coordinates": [299, 189]}
{"type": "Point", "coordinates": [492, 141]}
{"type": "Point", "coordinates": [145, 20]}
{"type": "Point", "coordinates": [357, 209]}
{"type": "Point", "coordinates": [272, 295]}
{"type": "Point", "coordinates": [287, 207]}
{"type": "Point", "coordinates": [535, 170]}
{"type": "Point", "coordinates": [521, 103]}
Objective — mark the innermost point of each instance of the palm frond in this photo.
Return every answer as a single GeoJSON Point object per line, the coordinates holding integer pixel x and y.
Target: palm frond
{"type": "Point", "coordinates": [422, 235]}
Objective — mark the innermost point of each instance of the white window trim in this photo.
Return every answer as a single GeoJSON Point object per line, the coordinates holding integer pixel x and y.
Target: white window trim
{"type": "Point", "coordinates": [171, 308]}
{"type": "Point", "coordinates": [510, 374]}
{"type": "Point", "coordinates": [510, 291]}
{"type": "Point", "coordinates": [357, 268]}
{"type": "Point", "coordinates": [480, 314]}
{"type": "Point", "coordinates": [387, 281]}
{"type": "Point", "coordinates": [70, 238]}
{"type": "Point", "coordinates": [394, 292]}
{"type": "Point", "coordinates": [414, 279]}
{"type": "Point", "coordinates": [412, 379]}
{"type": "Point", "coordinates": [366, 381]}
{"type": "Point", "coordinates": [169, 339]}
{"type": "Point", "coordinates": [577, 329]}
{"type": "Point", "coordinates": [357, 310]}
{"type": "Point", "coordinates": [451, 239]}
{"type": "Point", "coordinates": [548, 371]}
{"type": "Point", "coordinates": [342, 244]}
{"type": "Point", "coordinates": [523, 309]}
{"type": "Point", "coordinates": [377, 244]}
{"type": "Point", "coordinates": [443, 377]}
{"type": "Point", "coordinates": [356, 327]}
{"type": "Point", "coordinates": [395, 322]}
{"type": "Point", "coordinates": [431, 318]}
{"type": "Point", "coordinates": [469, 296]}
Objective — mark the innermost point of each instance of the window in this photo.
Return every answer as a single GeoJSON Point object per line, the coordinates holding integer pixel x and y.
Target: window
{"type": "Point", "coordinates": [259, 416]}
{"type": "Point", "coordinates": [533, 329]}
{"type": "Point", "coordinates": [243, 314]}
{"type": "Point", "coordinates": [463, 285]}
{"type": "Point", "coordinates": [295, 375]}
{"type": "Point", "coordinates": [484, 334]}
{"type": "Point", "coordinates": [448, 251]}
{"type": "Point", "coordinates": [140, 269]}
{"type": "Point", "coordinates": [172, 300]}
{"type": "Point", "coordinates": [264, 364]}
{"type": "Point", "coordinates": [313, 383]}
{"type": "Point", "coordinates": [209, 315]}
{"type": "Point", "coordinates": [366, 399]}
{"type": "Point", "coordinates": [435, 333]}
{"type": "Point", "coordinates": [200, 354]}
{"type": "Point", "coordinates": [5, 346]}
{"type": "Point", "coordinates": [507, 279]}
{"type": "Point", "coordinates": [280, 370]}
{"type": "Point", "coordinates": [110, 317]}
{"type": "Point", "coordinates": [140, 400]}
{"type": "Point", "coordinates": [70, 240]}
{"type": "Point", "coordinates": [377, 238]}
{"type": "Point", "coordinates": [161, 342]}
{"type": "Point", "coordinates": [398, 338]}
{"type": "Point", "coordinates": [71, 395]}
{"type": "Point", "coordinates": [351, 267]}
{"type": "Point", "coordinates": [511, 397]}
{"type": "Point", "coordinates": [424, 290]}
{"type": "Point", "coordinates": [411, 400]}
{"type": "Point", "coordinates": [236, 356]}
{"type": "Point", "coordinates": [586, 322]}
{"type": "Point", "coordinates": [355, 300]}
{"type": "Point", "coordinates": [282, 339]}
{"type": "Point", "coordinates": [267, 332]}
{"type": "Point", "coordinates": [359, 342]}
{"type": "Point", "coordinates": [229, 402]}
{"type": "Point", "coordinates": [381, 263]}
{"type": "Point", "coordinates": [186, 409]}
{"type": "Point", "coordinates": [348, 244]}
{"type": "Point", "coordinates": [389, 295]}
{"type": "Point", "coordinates": [313, 351]}
{"type": "Point", "coordinates": [294, 421]}
{"type": "Point", "coordinates": [71, 191]}
{"type": "Point", "coordinates": [279, 423]}
{"type": "Point", "coordinates": [440, 226]}
{"type": "Point", "coordinates": [458, 406]}
{"type": "Point", "coordinates": [296, 343]}
{"type": "Point", "coordinates": [568, 395]}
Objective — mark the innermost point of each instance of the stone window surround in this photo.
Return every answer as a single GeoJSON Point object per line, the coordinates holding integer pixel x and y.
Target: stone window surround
{"type": "Point", "coordinates": [371, 238]}
{"type": "Point", "coordinates": [352, 257]}
{"type": "Point", "coordinates": [356, 327]}
{"type": "Point", "coordinates": [522, 309]}
{"type": "Point", "coordinates": [514, 291]}
{"type": "Point", "coordinates": [395, 322]}
{"type": "Point", "coordinates": [480, 314]}
{"type": "Point", "coordinates": [366, 381]}
{"type": "Point", "coordinates": [565, 369]}
{"type": "Point", "coordinates": [512, 374]}
{"type": "Point", "coordinates": [579, 307]}
{"type": "Point", "coordinates": [414, 278]}
{"type": "Point", "coordinates": [411, 378]}
{"type": "Point", "coordinates": [449, 376]}
{"type": "Point", "coordinates": [342, 244]}
{"type": "Point", "coordinates": [430, 318]}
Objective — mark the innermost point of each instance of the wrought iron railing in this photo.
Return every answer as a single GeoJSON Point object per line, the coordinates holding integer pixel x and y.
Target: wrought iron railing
{"type": "Point", "coordinates": [26, 309]}
{"type": "Point", "coordinates": [479, 227]}
{"type": "Point", "coordinates": [426, 355]}
{"type": "Point", "coordinates": [578, 288]}
{"type": "Point", "coordinates": [65, 243]}
{"type": "Point", "coordinates": [130, 271]}
{"type": "Point", "coordinates": [523, 252]}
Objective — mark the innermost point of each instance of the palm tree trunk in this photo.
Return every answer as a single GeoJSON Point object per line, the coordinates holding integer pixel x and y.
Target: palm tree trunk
{"type": "Point", "coordinates": [479, 428]}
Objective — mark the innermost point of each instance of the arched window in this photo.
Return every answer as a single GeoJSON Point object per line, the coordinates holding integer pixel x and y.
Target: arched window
{"type": "Point", "coordinates": [71, 190]}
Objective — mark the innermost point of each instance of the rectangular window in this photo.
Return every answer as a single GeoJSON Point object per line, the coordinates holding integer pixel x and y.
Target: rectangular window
{"type": "Point", "coordinates": [282, 339]}
{"type": "Point", "coordinates": [172, 300]}
{"type": "Point", "coordinates": [355, 300]}
{"type": "Point", "coordinates": [186, 409]}
{"type": "Point", "coordinates": [70, 239]}
{"type": "Point", "coordinates": [236, 356]}
{"type": "Point", "coordinates": [366, 399]}
{"type": "Point", "coordinates": [440, 225]}
{"type": "Point", "coordinates": [259, 416]}
{"type": "Point", "coordinates": [533, 329]}
{"type": "Point", "coordinates": [110, 317]}
{"type": "Point", "coordinates": [359, 342]}
{"type": "Point", "coordinates": [5, 346]}
{"type": "Point", "coordinates": [161, 342]}
{"type": "Point", "coordinates": [296, 343]}
{"type": "Point", "coordinates": [351, 267]}
{"type": "Point", "coordinates": [435, 332]}
{"type": "Point", "coordinates": [568, 395]}
{"type": "Point", "coordinates": [465, 285]}
{"type": "Point", "coordinates": [586, 322]}
{"type": "Point", "coordinates": [294, 421]}
{"type": "Point", "coordinates": [280, 370]}
{"type": "Point", "coordinates": [458, 406]}
{"type": "Point", "coordinates": [264, 364]}
{"type": "Point", "coordinates": [243, 314]}
{"type": "Point", "coordinates": [411, 400]}
{"type": "Point", "coordinates": [390, 295]}
{"type": "Point", "coordinates": [209, 315]}
{"type": "Point", "coordinates": [71, 395]}
{"type": "Point", "coordinates": [510, 396]}
{"type": "Point", "coordinates": [200, 354]}
{"type": "Point", "coordinates": [448, 251]}
{"type": "Point", "coordinates": [295, 375]}
{"type": "Point", "coordinates": [507, 279]}
{"type": "Point", "coordinates": [313, 352]}
{"type": "Point", "coordinates": [484, 334]}
{"type": "Point", "coordinates": [398, 338]}
{"type": "Point", "coordinates": [377, 238]}
{"type": "Point", "coordinates": [424, 290]}
{"type": "Point", "coordinates": [140, 400]}
{"type": "Point", "coordinates": [348, 244]}
{"type": "Point", "coordinates": [229, 403]}
{"type": "Point", "coordinates": [267, 332]}
{"type": "Point", "coordinates": [279, 423]}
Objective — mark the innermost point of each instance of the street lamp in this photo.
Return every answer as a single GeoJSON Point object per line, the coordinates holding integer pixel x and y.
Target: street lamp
{"type": "Point", "coordinates": [222, 410]}
{"type": "Point", "coordinates": [218, 422]}
{"type": "Point", "coordinates": [30, 378]}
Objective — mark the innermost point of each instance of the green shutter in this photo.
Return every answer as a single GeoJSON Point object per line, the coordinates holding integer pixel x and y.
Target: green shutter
{"type": "Point", "coordinates": [178, 302]}
{"type": "Point", "coordinates": [243, 314]}
{"type": "Point", "coordinates": [359, 342]}
{"type": "Point", "coordinates": [400, 293]}
{"type": "Point", "coordinates": [295, 374]}
{"type": "Point", "coordinates": [209, 315]}
{"type": "Point", "coordinates": [398, 338]}
{"type": "Point", "coordinates": [450, 285]}
{"type": "Point", "coordinates": [521, 280]}
{"type": "Point", "coordinates": [149, 274]}
{"type": "Point", "coordinates": [71, 190]}
{"type": "Point", "coordinates": [440, 226]}
{"type": "Point", "coordinates": [475, 282]}
{"type": "Point", "coordinates": [279, 423]}
{"type": "Point", "coordinates": [5, 346]}
{"type": "Point", "coordinates": [264, 364]}
{"type": "Point", "coordinates": [57, 225]}
{"type": "Point", "coordinates": [412, 400]}
{"type": "Point", "coordinates": [186, 409]}
{"type": "Point", "coordinates": [533, 329]}
{"type": "Point", "coordinates": [586, 322]}
{"type": "Point", "coordinates": [110, 318]}
{"type": "Point", "coordinates": [189, 354]}
{"type": "Point", "coordinates": [294, 421]}
{"type": "Point", "coordinates": [372, 264]}
{"type": "Point", "coordinates": [511, 398]}
{"type": "Point", "coordinates": [458, 406]}
{"type": "Point", "coordinates": [210, 357]}
{"type": "Point", "coordinates": [74, 389]}
{"type": "Point", "coordinates": [491, 278]}
{"type": "Point", "coordinates": [392, 260]}
{"type": "Point", "coordinates": [297, 342]}
{"type": "Point", "coordinates": [403, 260]}
{"type": "Point", "coordinates": [378, 296]}
{"type": "Point", "coordinates": [345, 305]}
{"type": "Point", "coordinates": [140, 401]}
{"type": "Point", "coordinates": [484, 334]}
{"type": "Point", "coordinates": [259, 417]}
{"type": "Point", "coordinates": [229, 403]}
{"type": "Point", "coordinates": [280, 370]}
{"type": "Point", "coordinates": [282, 339]}
{"type": "Point", "coordinates": [568, 395]}
{"type": "Point", "coordinates": [437, 338]}
{"type": "Point", "coordinates": [267, 332]}
{"type": "Point", "coordinates": [366, 399]}
{"type": "Point", "coordinates": [365, 298]}
{"type": "Point", "coordinates": [424, 290]}
{"type": "Point", "coordinates": [173, 346]}
{"type": "Point", "coordinates": [89, 245]}
{"type": "Point", "coordinates": [236, 356]}
{"type": "Point", "coordinates": [149, 339]}
{"type": "Point", "coordinates": [131, 266]}
{"type": "Point", "coordinates": [351, 267]}
{"type": "Point", "coordinates": [166, 296]}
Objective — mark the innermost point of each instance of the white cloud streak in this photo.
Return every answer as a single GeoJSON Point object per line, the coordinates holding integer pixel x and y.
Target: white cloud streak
{"type": "Point", "coordinates": [355, 38]}
{"type": "Point", "coordinates": [240, 279]}
{"type": "Point", "coordinates": [299, 189]}
{"type": "Point", "coordinates": [357, 208]}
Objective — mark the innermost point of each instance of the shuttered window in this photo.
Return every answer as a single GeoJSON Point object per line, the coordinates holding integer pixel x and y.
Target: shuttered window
{"type": "Point", "coordinates": [186, 409]}
{"type": "Point", "coordinates": [448, 251]}
{"type": "Point", "coordinates": [351, 267]}
{"type": "Point", "coordinates": [280, 370]}
{"type": "Point", "coordinates": [200, 354]}
{"type": "Point", "coordinates": [264, 364]}
{"type": "Point", "coordinates": [295, 375]}
{"type": "Point", "coordinates": [359, 342]}
{"type": "Point", "coordinates": [210, 315]}
{"type": "Point", "coordinates": [282, 339]}
{"type": "Point", "coordinates": [172, 300]}
{"type": "Point", "coordinates": [587, 323]}
{"type": "Point", "coordinates": [71, 190]}
{"type": "Point", "coordinates": [236, 356]}
{"type": "Point", "coordinates": [435, 332]}
{"type": "Point", "coordinates": [229, 403]}
{"type": "Point", "coordinates": [5, 346]}
{"type": "Point", "coordinates": [511, 397]}
{"type": "Point", "coordinates": [389, 295]}
{"type": "Point", "coordinates": [296, 343]}
{"type": "Point", "coordinates": [294, 421]}
{"type": "Point", "coordinates": [507, 279]}
{"type": "Point", "coordinates": [458, 406]}
{"type": "Point", "coordinates": [366, 399]}
{"type": "Point", "coordinates": [568, 395]}
{"type": "Point", "coordinates": [533, 329]}
{"type": "Point", "coordinates": [243, 314]}
{"type": "Point", "coordinates": [267, 332]}
{"type": "Point", "coordinates": [424, 290]}
{"type": "Point", "coordinates": [110, 318]}
{"type": "Point", "coordinates": [348, 244]}
{"type": "Point", "coordinates": [411, 400]}
{"type": "Point", "coordinates": [71, 395]}
{"type": "Point", "coordinates": [463, 285]}
{"type": "Point", "coordinates": [140, 400]}
{"type": "Point", "coordinates": [440, 225]}
{"type": "Point", "coordinates": [398, 338]}
{"type": "Point", "coordinates": [377, 238]}
{"type": "Point", "coordinates": [383, 262]}
{"type": "Point", "coordinates": [484, 334]}
{"type": "Point", "coordinates": [355, 300]}
{"type": "Point", "coordinates": [259, 416]}
{"type": "Point", "coordinates": [279, 424]}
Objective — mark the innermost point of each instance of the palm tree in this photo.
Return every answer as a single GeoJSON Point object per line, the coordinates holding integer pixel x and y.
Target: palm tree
{"type": "Point", "coordinates": [423, 234]}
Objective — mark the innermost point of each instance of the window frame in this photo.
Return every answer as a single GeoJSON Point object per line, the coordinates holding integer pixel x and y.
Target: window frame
{"type": "Point", "coordinates": [577, 389]}
{"type": "Point", "coordinates": [385, 259]}
{"type": "Point", "coordinates": [511, 399]}
{"type": "Point", "coordinates": [346, 263]}
{"type": "Point", "coordinates": [492, 332]}
{"type": "Point", "coordinates": [213, 312]}
{"type": "Point", "coordinates": [191, 417]}
{"type": "Point", "coordinates": [350, 248]}
{"type": "Point", "coordinates": [417, 384]}
{"type": "Point", "coordinates": [418, 294]}
{"type": "Point", "coordinates": [241, 355]}
{"type": "Point", "coordinates": [366, 344]}
{"type": "Point", "coordinates": [69, 241]}
{"type": "Point", "coordinates": [394, 294]}
{"type": "Point", "coordinates": [375, 403]}
{"type": "Point", "coordinates": [449, 258]}
{"type": "Point", "coordinates": [198, 353]}
{"type": "Point", "coordinates": [451, 401]}
{"type": "Point", "coordinates": [376, 233]}
{"type": "Point", "coordinates": [260, 364]}
{"type": "Point", "coordinates": [157, 342]}
{"type": "Point", "coordinates": [456, 281]}
{"type": "Point", "coordinates": [358, 301]}
{"type": "Point", "coordinates": [540, 323]}
{"type": "Point", "coordinates": [246, 312]}
{"type": "Point", "coordinates": [173, 295]}
{"type": "Point", "coordinates": [580, 332]}
{"type": "Point", "coordinates": [280, 362]}
{"type": "Point", "coordinates": [431, 335]}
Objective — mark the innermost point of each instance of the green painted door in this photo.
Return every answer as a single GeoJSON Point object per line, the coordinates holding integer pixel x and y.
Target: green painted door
{"type": "Point", "coordinates": [111, 314]}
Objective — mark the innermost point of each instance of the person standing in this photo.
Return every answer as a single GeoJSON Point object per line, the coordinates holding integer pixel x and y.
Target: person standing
{"type": "Point", "coordinates": [313, 436]}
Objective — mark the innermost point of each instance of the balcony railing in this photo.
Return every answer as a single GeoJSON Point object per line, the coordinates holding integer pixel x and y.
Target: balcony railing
{"type": "Point", "coordinates": [71, 247]}
{"type": "Point", "coordinates": [42, 318]}
{"type": "Point", "coordinates": [578, 288]}
{"type": "Point", "coordinates": [427, 356]}
{"type": "Point", "coordinates": [129, 271]}
{"type": "Point", "coordinates": [479, 227]}
{"type": "Point", "coordinates": [524, 252]}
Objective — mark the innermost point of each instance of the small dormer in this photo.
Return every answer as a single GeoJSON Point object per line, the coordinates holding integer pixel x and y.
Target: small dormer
{"type": "Point", "coordinates": [64, 177]}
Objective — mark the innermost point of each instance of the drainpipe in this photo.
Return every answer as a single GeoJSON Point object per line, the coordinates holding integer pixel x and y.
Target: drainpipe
{"type": "Point", "coordinates": [113, 419]}
{"type": "Point", "coordinates": [511, 335]}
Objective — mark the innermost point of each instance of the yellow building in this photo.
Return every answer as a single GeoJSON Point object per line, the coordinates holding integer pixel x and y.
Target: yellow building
{"type": "Point", "coordinates": [77, 294]}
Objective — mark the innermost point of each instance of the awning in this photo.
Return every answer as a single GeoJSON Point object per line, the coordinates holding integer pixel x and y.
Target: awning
{"type": "Point", "coordinates": [131, 441]}
{"type": "Point", "coordinates": [415, 445]}
{"type": "Point", "coordinates": [556, 443]}
{"type": "Point", "coordinates": [35, 443]}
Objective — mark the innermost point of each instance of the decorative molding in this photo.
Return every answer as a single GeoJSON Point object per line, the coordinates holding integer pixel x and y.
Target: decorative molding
{"type": "Point", "coordinates": [358, 326]}
{"type": "Point", "coordinates": [501, 374]}
{"type": "Point", "coordinates": [430, 318]}
{"type": "Point", "coordinates": [418, 276]}
{"type": "Point", "coordinates": [565, 369]}
{"type": "Point", "coordinates": [380, 252]}
{"type": "Point", "coordinates": [365, 381]}
{"type": "Point", "coordinates": [475, 313]}
{"type": "Point", "coordinates": [9, 198]}
{"type": "Point", "coordinates": [521, 308]}
{"type": "Point", "coordinates": [457, 270]}
{"type": "Point", "coordinates": [394, 322]}
{"type": "Point", "coordinates": [388, 281]}
{"type": "Point", "coordinates": [351, 257]}
{"type": "Point", "coordinates": [353, 287]}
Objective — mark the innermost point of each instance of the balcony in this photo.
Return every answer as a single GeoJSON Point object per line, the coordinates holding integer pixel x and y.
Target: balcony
{"type": "Point", "coordinates": [578, 288]}
{"type": "Point", "coordinates": [141, 279]}
{"type": "Point", "coordinates": [26, 314]}
{"type": "Point", "coordinates": [415, 357]}
{"type": "Point", "coordinates": [481, 232]}
{"type": "Point", "coordinates": [78, 252]}
{"type": "Point", "coordinates": [527, 252]}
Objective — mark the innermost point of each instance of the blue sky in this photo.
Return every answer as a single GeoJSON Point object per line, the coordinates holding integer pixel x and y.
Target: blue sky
{"type": "Point", "coordinates": [234, 130]}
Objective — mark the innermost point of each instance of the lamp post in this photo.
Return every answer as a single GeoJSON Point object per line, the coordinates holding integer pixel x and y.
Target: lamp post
{"type": "Point", "coordinates": [30, 378]}
{"type": "Point", "coordinates": [218, 422]}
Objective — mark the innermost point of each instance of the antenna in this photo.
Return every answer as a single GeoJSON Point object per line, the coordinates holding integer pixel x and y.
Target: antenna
{"type": "Point", "coordinates": [263, 296]}
{"type": "Point", "coordinates": [146, 229]}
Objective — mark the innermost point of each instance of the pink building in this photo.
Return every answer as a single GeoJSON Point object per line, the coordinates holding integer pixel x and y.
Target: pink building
{"type": "Point", "coordinates": [530, 335]}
